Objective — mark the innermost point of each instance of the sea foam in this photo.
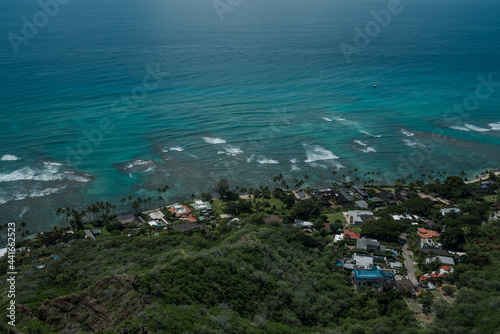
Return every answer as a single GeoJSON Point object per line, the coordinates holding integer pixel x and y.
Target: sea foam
{"type": "Point", "coordinates": [369, 134]}
{"type": "Point", "coordinates": [407, 133]}
{"type": "Point", "coordinates": [476, 128]}
{"type": "Point", "coordinates": [494, 126]}
{"type": "Point", "coordinates": [264, 160]}
{"type": "Point", "coordinates": [214, 141]}
{"type": "Point", "coordinates": [318, 153]}
{"type": "Point", "coordinates": [461, 128]}
{"type": "Point", "coordinates": [9, 157]}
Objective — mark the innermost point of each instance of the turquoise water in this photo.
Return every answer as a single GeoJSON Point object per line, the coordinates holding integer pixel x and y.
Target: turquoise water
{"type": "Point", "coordinates": [265, 91]}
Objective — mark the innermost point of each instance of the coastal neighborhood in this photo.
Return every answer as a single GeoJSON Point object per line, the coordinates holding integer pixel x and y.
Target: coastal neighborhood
{"type": "Point", "coordinates": [389, 238]}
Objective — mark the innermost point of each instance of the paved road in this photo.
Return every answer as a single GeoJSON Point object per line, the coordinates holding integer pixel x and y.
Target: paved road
{"type": "Point", "coordinates": [409, 265]}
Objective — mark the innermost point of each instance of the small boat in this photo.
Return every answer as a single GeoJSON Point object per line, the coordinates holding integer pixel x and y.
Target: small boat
{"type": "Point", "coordinates": [374, 86]}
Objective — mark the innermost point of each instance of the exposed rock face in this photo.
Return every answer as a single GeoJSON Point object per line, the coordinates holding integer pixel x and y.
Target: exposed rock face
{"type": "Point", "coordinates": [106, 304]}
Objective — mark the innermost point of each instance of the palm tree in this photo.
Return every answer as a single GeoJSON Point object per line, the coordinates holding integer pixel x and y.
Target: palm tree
{"type": "Point", "coordinates": [123, 205]}
{"type": "Point", "coordinates": [23, 225]}
{"type": "Point", "coordinates": [130, 202]}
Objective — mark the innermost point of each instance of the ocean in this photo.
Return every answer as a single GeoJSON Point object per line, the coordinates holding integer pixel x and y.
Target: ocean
{"type": "Point", "coordinates": [105, 99]}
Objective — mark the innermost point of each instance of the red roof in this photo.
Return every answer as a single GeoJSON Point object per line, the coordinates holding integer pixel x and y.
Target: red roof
{"type": "Point", "coordinates": [327, 226]}
{"type": "Point", "coordinates": [272, 218]}
{"type": "Point", "coordinates": [349, 234]}
{"type": "Point", "coordinates": [447, 268]}
{"type": "Point", "coordinates": [191, 219]}
{"type": "Point", "coordinates": [424, 233]}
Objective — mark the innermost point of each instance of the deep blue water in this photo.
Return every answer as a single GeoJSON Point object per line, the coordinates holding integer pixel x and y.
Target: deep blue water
{"type": "Point", "coordinates": [267, 90]}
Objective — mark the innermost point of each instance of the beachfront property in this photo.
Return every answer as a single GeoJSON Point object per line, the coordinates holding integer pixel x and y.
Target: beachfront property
{"type": "Point", "coordinates": [129, 221]}
{"type": "Point", "coordinates": [360, 191]}
{"type": "Point", "coordinates": [377, 202]}
{"type": "Point", "coordinates": [388, 197]}
{"type": "Point", "coordinates": [204, 210]}
{"type": "Point", "coordinates": [301, 194]}
{"type": "Point", "coordinates": [157, 218]}
{"type": "Point", "coordinates": [358, 218]}
{"type": "Point", "coordinates": [182, 212]}
{"type": "Point", "coordinates": [343, 197]}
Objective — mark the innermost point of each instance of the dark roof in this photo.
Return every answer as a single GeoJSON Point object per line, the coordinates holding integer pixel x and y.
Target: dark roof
{"type": "Point", "coordinates": [440, 252]}
{"type": "Point", "coordinates": [127, 219]}
{"type": "Point", "coordinates": [190, 226]}
{"type": "Point", "coordinates": [344, 195]}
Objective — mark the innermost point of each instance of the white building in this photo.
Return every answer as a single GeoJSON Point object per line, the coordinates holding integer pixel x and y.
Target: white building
{"type": "Point", "coordinates": [358, 217]}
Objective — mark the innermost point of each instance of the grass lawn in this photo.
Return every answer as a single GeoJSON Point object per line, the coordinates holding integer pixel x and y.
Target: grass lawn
{"type": "Point", "coordinates": [490, 198]}
{"type": "Point", "coordinates": [217, 205]}
{"type": "Point", "coordinates": [272, 201]}
{"type": "Point", "coordinates": [332, 217]}
{"type": "Point", "coordinates": [355, 229]}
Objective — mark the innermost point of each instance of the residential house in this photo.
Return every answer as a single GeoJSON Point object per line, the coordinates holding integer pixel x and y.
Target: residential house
{"type": "Point", "coordinates": [301, 194]}
{"type": "Point", "coordinates": [487, 187]}
{"type": "Point", "coordinates": [427, 234]}
{"type": "Point", "coordinates": [302, 224]}
{"type": "Point", "coordinates": [273, 218]}
{"type": "Point", "coordinates": [360, 191]}
{"type": "Point", "coordinates": [182, 212]}
{"type": "Point", "coordinates": [375, 278]}
{"type": "Point", "coordinates": [129, 220]}
{"type": "Point", "coordinates": [377, 202]}
{"type": "Point", "coordinates": [429, 243]}
{"type": "Point", "coordinates": [494, 216]}
{"type": "Point", "coordinates": [358, 261]}
{"type": "Point", "coordinates": [446, 260]}
{"type": "Point", "coordinates": [343, 197]}
{"type": "Point", "coordinates": [368, 244]}
{"type": "Point", "coordinates": [453, 211]}
{"type": "Point", "coordinates": [89, 234]}
{"type": "Point", "coordinates": [350, 234]}
{"type": "Point", "coordinates": [361, 204]}
{"type": "Point", "coordinates": [429, 222]}
{"type": "Point", "coordinates": [358, 218]}
{"type": "Point", "coordinates": [412, 218]}
{"type": "Point", "coordinates": [442, 272]}
{"type": "Point", "coordinates": [388, 197]}
{"type": "Point", "coordinates": [158, 217]}
{"type": "Point", "coordinates": [403, 195]}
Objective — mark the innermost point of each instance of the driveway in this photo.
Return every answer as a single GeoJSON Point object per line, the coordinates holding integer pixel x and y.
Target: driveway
{"type": "Point", "coordinates": [410, 267]}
